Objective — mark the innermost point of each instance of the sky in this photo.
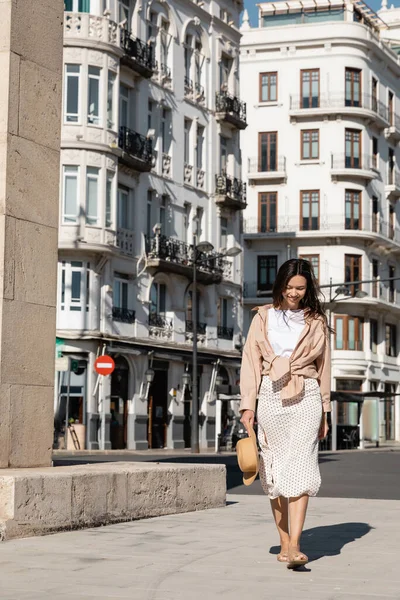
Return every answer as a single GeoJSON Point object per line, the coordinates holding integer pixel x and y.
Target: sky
{"type": "Point", "coordinates": [253, 11]}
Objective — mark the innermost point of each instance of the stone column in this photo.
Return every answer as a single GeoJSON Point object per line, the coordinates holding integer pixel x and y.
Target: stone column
{"type": "Point", "coordinates": [31, 45]}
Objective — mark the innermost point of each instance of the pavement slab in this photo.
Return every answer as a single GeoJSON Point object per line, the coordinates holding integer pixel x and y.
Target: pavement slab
{"type": "Point", "coordinates": [230, 552]}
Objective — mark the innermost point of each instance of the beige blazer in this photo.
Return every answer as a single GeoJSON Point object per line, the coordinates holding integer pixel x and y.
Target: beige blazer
{"type": "Point", "coordinates": [310, 358]}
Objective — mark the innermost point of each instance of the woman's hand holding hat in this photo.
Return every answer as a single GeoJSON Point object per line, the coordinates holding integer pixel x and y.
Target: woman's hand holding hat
{"type": "Point", "coordinates": [248, 419]}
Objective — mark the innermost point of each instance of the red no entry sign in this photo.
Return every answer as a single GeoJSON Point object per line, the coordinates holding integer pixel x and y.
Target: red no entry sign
{"type": "Point", "coordinates": [104, 365]}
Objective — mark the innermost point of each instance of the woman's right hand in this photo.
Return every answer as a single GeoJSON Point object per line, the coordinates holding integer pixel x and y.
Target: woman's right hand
{"type": "Point", "coordinates": [247, 419]}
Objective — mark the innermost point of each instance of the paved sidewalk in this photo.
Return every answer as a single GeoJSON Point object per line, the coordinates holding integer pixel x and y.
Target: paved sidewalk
{"type": "Point", "coordinates": [215, 554]}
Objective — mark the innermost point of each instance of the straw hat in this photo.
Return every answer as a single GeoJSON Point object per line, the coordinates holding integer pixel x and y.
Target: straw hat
{"type": "Point", "coordinates": [248, 459]}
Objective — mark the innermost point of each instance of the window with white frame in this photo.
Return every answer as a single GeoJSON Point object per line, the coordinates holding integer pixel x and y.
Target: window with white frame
{"type": "Point", "coordinates": [123, 208]}
{"type": "Point", "coordinates": [163, 213]}
{"type": "Point", "coordinates": [225, 66]}
{"type": "Point", "coordinates": [123, 14]}
{"type": "Point", "coordinates": [109, 197]}
{"type": "Point", "coordinates": [77, 6]}
{"type": "Point", "coordinates": [188, 58]}
{"type": "Point", "coordinates": [166, 135]}
{"type": "Point", "coordinates": [199, 220]}
{"type": "Point", "coordinates": [224, 232]}
{"type": "Point", "coordinates": [120, 291]}
{"type": "Point", "coordinates": [94, 95]}
{"type": "Point", "coordinates": [123, 106]}
{"type": "Point", "coordinates": [70, 194]}
{"type": "Point", "coordinates": [158, 295]}
{"type": "Point", "coordinates": [75, 284]}
{"type": "Point", "coordinates": [72, 94]}
{"type": "Point", "coordinates": [186, 221]}
{"type": "Point", "coordinates": [198, 62]}
{"type": "Point", "coordinates": [164, 45]}
{"type": "Point", "coordinates": [92, 195]}
{"type": "Point", "coordinates": [150, 114]}
{"type": "Point", "coordinates": [149, 220]}
{"type": "Point", "coordinates": [223, 160]}
{"type": "Point", "coordinates": [110, 100]}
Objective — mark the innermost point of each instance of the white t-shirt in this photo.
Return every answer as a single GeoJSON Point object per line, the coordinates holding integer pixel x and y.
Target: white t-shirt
{"type": "Point", "coordinates": [284, 330]}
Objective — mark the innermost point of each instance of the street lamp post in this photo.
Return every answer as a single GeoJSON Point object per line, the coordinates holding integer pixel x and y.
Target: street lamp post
{"type": "Point", "coordinates": [197, 248]}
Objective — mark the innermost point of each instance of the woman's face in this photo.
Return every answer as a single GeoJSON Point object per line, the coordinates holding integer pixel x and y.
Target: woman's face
{"type": "Point", "coordinates": [294, 292]}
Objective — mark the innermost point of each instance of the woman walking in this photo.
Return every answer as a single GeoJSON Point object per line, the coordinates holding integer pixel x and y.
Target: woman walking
{"type": "Point", "coordinates": [286, 364]}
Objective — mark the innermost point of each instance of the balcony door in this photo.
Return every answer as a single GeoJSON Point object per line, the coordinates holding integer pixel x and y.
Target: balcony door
{"type": "Point", "coordinates": [353, 87]}
{"type": "Point", "coordinates": [309, 84]}
{"type": "Point", "coordinates": [352, 272]}
{"type": "Point", "coordinates": [352, 209]}
{"type": "Point", "coordinates": [267, 212]}
{"type": "Point", "coordinates": [123, 209]}
{"type": "Point", "coordinates": [353, 149]}
{"type": "Point", "coordinates": [267, 151]}
{"type": "Point", "coordinates": [266, 272]}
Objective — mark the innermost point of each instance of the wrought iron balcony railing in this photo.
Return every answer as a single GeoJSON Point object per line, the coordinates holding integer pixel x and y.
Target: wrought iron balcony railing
{"type": "Point", "coordinates": [136, 145]}
{"type": "Point", "coordinates": [230, 186]}
{"type": "Point", "coordinates": [124, 315]}
{"type": "Point", "coordinates": [188, 85]}
{"type": "Point", "coordinates": [344, 161]}
{"type": "Point", "coordinates": [165, 71]}
{"type": "Point", "coordinates": [201, 327]}
{"type": "Point", "coordinates": [175, 251]}
{"type": "Point", "coordinates": [160, 321]}
{"type": "Point", "coordinates": [142, 53]}
{"type": "Point", "coordinates": [225, 333]}
{"type": "Point", "coordinates": [230, 105]}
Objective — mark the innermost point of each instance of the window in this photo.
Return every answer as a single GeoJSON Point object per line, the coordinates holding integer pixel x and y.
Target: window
{"type": "Point", "coordinates": [309, 201]}
{"type": "Point", "coordinates": [374, 94]}
{"type": "Point", "coordinates": [158, 294]}
{"type": "Point", "coordinates": [268, 87]}
{"type": "Point", "coordinates": [390, 340]}
{"type": "Point", "coordinates": [224, 72]}
{"type": "Point", "coordinates": [186, 221]}
{"type": "Point", "coordinates": [120, 291]}
{"type": "Point", "coordinates": [309, 144]}
{"type": "Point", "coordinates": [109, 196]}
{"type": "Point", "coordinates": [198, 60]}
{"type": "Point", "coordinates": [373, 334]}
{"type": "Point", "coordinates": [224, 310]}
{"type": "Point", "coordinates": [123, 212]}
{"type": "Point", "coordinates": [267, 267]}
{"type": "Point", "coordinates": [392, 274]}
{"type": "Point", "coordinates": [149, 221]}
{"type": "Point", "coordinates": [71, 100]}
{"type": "Point", "coordinates": [163, 213]}
{"type": "Point", "coordinates": [71, 200]}
{"type": "Point", "coordinates": [391, 108]}
{"type": "Point", "coordinates": [267, 151]}
{"type": "Point", "coordinates": [348, 333]}
{"type": "Point", "coordinates": [375, 214]}
{"type": "Point", "coordinates": [199, 221]}
{"type": "Point", "coordinates": [189, 307]}
{"type": "Point", "coordinates": [375, 275]}
{"type": "Point", "coordinates": [92, 191]}
{"type": "Point", "coordinates": [110, 100]}
{"type": "Point", "coordinates": [188, 57]}
{"type": "Point", "coordinates": [392, 221]}
{"type": "Point", "coordinates": [352, 209]}
{"type": "Point", "coordinates": [200, 147]}
{"type": "Point", "coordinates": [77, 5]}
{"type": "Point", "coordinates": [353, 87]}
{"type": "Point", "coordinates": [375, 158]}
{"type": "Point", "coordinates": [186, 149]}
{"type": "Point", "coordinates": [164, 39]}
{"type": "Point", "coordinates": [75, 283]}
{"type": "Point", "coordinates": [391, 166]}
{"type": "Point", "coordinates": [224, 232]}
{"type": "Point", "coordinates": [124, 12]}
{"type": "Point", "coordinates": [123, 106]}
{"type": "Point", "coordinates": [353, 149]}
{"type": "Point", "coordinates": [267, 211]}
{"type": "Point", "coordinates": [352, 271]}
{"type": "Point", "coordinates": [150, 113]}
{"type": "Point", "coordinates": [223, 153]}
{"type": "Point", "coordinates": [309, 88]}
{"type": "Point", "coordinates": [94, 96]}
{"type": "Point", "coordinates": [165, 131]}
{"type": "Point", "coordinates": [314, 260]}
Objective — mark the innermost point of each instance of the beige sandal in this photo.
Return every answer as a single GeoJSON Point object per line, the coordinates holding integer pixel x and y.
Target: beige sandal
{"type": "Point", "coordinates": [296, 558]}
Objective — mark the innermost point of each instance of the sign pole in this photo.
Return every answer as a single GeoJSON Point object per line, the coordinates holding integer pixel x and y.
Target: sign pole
{"type": "Point", "coordinates": [67, 404]}
{"type": "Point", "coordinates": [104, 365]}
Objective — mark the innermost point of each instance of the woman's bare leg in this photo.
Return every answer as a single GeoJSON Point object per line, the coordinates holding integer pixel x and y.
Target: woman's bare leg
{"type": "Point", "coordinates": [297, 515]}
{"type": "Point", "coordinates": [281, 515]}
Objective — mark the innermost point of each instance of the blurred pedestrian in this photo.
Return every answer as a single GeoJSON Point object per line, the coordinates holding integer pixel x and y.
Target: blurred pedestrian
{"type": "Point", "coordinates": [286, 365]}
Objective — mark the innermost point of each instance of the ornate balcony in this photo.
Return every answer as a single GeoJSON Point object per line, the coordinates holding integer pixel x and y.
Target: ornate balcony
{"type": "Point", "coordinates": [392, 133]}
{"type": "Point", "coordinates": [137, 150]}
{"type": "Point", "coordinates": [392, 187]}
{"type": "Point", "coordinates": [230, 192]}
{"type": "Point", "coordinates": [160, 326]}
{"type": "Point", "coordinates": [138, 55]}
{"type": "Point", "coordinates": [189, 88]}
{"type": "Point", "coordinates": [92, 31]}
{"type": "Point", "coordinates": [225, 333]}
{"type": "Point", "coordinates": [230, 110]}
{"type": "Point", "coordinates": [123, 315]}
{"type": "Point", "coordinates": [201, 332]}
{"type": "Point", "coordinates": [174, 256]}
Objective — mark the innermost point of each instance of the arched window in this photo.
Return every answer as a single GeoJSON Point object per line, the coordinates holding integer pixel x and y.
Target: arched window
{"type": "Point", "coordinates": [159, 35]}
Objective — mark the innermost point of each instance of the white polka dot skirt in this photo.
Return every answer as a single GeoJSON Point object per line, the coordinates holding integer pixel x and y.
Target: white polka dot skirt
{"type": "Point", "coordinates": [288, 438]}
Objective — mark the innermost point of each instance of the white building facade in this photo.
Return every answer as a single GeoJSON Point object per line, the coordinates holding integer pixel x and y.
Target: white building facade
{"type": "Point", "coordinates": [150, 163]}
{"type": "Point", "coordinates": [321, 159]}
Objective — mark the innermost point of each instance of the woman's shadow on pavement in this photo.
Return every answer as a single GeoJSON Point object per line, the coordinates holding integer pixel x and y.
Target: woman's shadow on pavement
{"type": "Point", "coordinates": [329, 540]}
